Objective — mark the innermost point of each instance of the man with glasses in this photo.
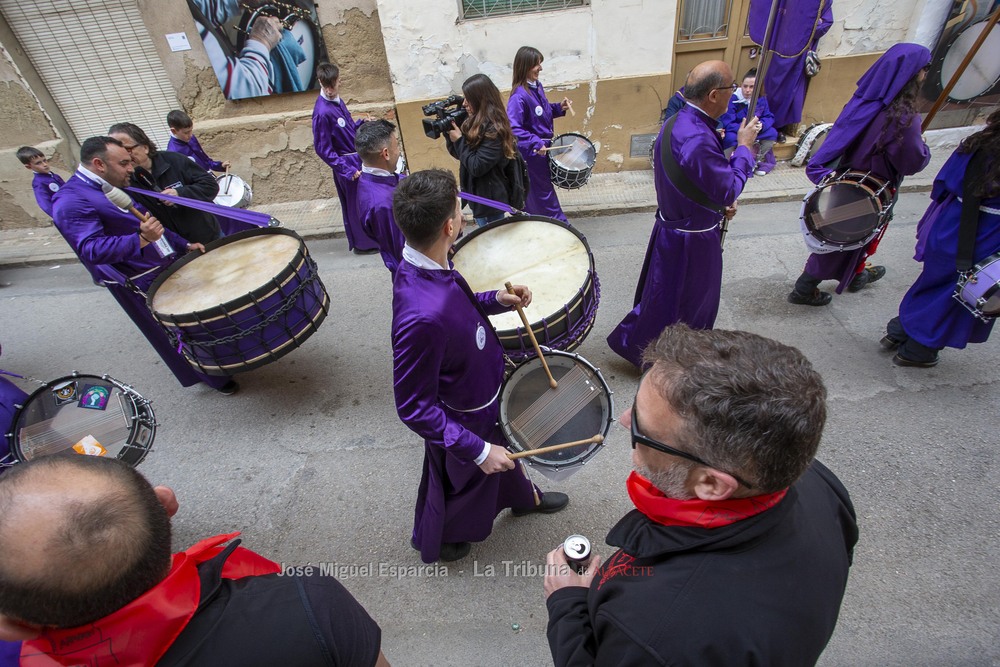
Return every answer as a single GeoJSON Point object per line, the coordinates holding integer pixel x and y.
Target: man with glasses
{"type": "Point", "coordinates": [739, 547]}
{"type": "Point", "coordinates": [696, 189]}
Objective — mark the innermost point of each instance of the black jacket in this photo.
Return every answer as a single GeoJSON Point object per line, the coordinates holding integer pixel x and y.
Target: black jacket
{"type": "Point", "coordinates": [762, 591]}
{"type": "Point", "coordinates": [481, 172]}
{"type": "Point", "coordinates": [174, 170]}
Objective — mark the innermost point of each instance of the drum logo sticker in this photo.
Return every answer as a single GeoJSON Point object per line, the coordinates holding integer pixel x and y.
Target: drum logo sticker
{"type": "Point", "coordinates": [538, 110]}
{"type": "Point", "coordinates": [480, 336]}
{"type": "Point", "coordinates": [89, 446]}
{"type": "Point", "coordinates": [64, 393]}
{"type": "Point", "coordinates": [340, 122]}
{"type": "Point", "coordinates": [95, 397]}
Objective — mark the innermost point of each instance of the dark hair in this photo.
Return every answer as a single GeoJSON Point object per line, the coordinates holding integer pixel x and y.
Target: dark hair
{"type": "Point", "coordinates": [178, 120]}
{"type": "Point", "coordinates": [749, 404]}
{"type": "Point", "coordinates": [136, 133]}
{"type": "Point", "coordinates": [103, 553]}
{"type": "Point", "coordinates": [752, 72]}
{"type": "Point", "coordinates": [525, 58]}
{"type": "Point", "coordinates": [422, 203]}
{"type": "Point", "coordinates": [28, 153]}
{"type": "Point", "coordinates": [900, 114]}
{"type": "Point", "coordinates": [698, 90]}
{"type": "Point", "coordinates": [97, 147]}
{"type": "Point", "coordinates": [372, 137]}
{"type": "Point", "coordinates": [327, 74]}
{"type": "Point", "coordinates": [489, 119]}
{"type": "Point", "coordinates": [988, 141]}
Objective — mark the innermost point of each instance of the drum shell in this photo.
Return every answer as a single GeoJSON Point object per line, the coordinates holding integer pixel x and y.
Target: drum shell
{"type": "Point", "coordinates": [230, 181]}
{"type": "Point", "coordinates": [861, 186]}
{"type": "Point", "coordinates": [982, 286]}
{"type": "Point", "coordinates": [295, 317]}
{"type": "Point", "coordinates": [569, 178]}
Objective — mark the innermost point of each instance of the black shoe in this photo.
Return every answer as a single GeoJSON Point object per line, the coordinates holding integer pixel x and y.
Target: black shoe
{"type": "Point", "coordinates": [869, 275]}
{"type": "Point", "coordinates": [552, 502]}
{"type": "Point", "coordinates": [910, 363]}
{"type": "Point", "coordinates": [889, 343]}
{"type": "Point", "coordinates": [370, 251]}
{"type": "Point", "coordinates": [817, 298]}
{"type": "Point", "coordinates": [450, 551]}
{"type": "Point", "coordinates": [229, 388]}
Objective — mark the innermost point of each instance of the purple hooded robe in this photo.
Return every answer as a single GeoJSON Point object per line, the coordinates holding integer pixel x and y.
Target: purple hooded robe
{"type": "Point", "coordinates": [681, 278]}
{"type": "Point", "coordinates": [531, 116]}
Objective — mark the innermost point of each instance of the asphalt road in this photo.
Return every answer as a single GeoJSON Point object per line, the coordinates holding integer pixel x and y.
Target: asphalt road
{"type": "Point", "coordinates": [311, 463]}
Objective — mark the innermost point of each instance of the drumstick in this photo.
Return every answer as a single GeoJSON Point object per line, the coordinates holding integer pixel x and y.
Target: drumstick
{"type": "Point", "coordinates": [229, 182]}
{"type": "Point", "coordinates": [595, 440]}
{"type": "Point", "coordinates": [569, 106]}
{"type": "Point", "coordinates": [121, 199]}
{"type": "Point", "coordinates": [531, 334]}
{"type": "Point", "coordinates": [560, 148]}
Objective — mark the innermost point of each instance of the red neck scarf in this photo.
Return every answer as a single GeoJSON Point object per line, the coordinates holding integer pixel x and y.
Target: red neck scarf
{"type": "Point", "coordinates": [141, 632]}
{"type": "Point", "coordinates": [695, 513]}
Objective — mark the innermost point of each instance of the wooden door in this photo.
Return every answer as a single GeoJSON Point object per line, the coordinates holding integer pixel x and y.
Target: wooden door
{"type": "Point", "coordinates": [712, 30]}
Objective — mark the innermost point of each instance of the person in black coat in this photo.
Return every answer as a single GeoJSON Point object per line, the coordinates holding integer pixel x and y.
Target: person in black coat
{"type": "Point", "coordinates": [173, 174]}
{"type": "Point", "coordinates": [484, 147]}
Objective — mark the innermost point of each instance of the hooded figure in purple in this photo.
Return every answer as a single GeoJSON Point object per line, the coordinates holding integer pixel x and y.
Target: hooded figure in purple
{"type": "Point", "coordinates": [531, 115]}
{"type": "Point", "coordinates": [929, 317]}
{"type": "Point", "coordinates": [378, 147]}
{"type": "Point", "coordinates": [877, 132]}
{"type": "Point", "coordinates": [333, 138]}
{"type": "Point", "coordinates": [798, 28]}
{"type": "Point", "coordinates": [448, 367]}
{"type": "Point", "coordinates": [114, 247]}
{"type": "Point", "coordinates": [681, 278]}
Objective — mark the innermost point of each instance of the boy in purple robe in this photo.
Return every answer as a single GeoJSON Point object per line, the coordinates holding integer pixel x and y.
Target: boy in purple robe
{"type": "Point", "coordinates": [183, 141]}
{"type": "Point", "coordinates": [378, 147]}
{"type": "Point", "coordinates": [929, 317]}
{"type": "Point", "coordinates": [447, 373]}
{"type": "Point", "coordinates": [333, 138]}
{"type": "Point", "coordinates": [531, 116]}
{"type": "Point", "coordinates": [45, 182]}
{"type": "Point", "coordinates": [116, 248]}
{"type": "Point", "coordinates": [739, 105]}
{"type": "Point", "coordinates": [681, 277]}
{"type": "Point", "coordinates": [877, 132]}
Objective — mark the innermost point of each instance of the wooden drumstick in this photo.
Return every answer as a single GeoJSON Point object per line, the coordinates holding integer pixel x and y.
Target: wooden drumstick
{"type": "Point", "coordinates": [121, 199]}
{"type": "Point", "coordinates": [531, 334]}
{"type": "Point", "coordinates": [595, 440]}
{"type": "Point", "coordinates": [569, 106]}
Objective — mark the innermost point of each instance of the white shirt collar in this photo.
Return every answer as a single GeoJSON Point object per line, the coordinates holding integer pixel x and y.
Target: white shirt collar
{"type": "Point", "coordinates": [87, 174]}
{"type": "Point", "coordinates": [375, 171]}
{"type": "Point", "coordinates": [692, 104]}
{"type": "Point", "coordinates": [329, 99]}
{"type": "Point", "coordinates": [420, 260]}
{"type": "Point", "coordinates": [532, 84]}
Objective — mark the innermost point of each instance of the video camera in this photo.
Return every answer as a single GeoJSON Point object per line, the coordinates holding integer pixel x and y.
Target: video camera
{"type": "Point", "coordinates": [444, 116]}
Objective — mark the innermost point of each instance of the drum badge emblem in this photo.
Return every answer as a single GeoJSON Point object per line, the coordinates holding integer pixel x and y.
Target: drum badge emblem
{"type": "Point", "coordinates": [53, 187]}
{"type": "Point", "coordinates": [95, 397]}
{"type": "Point", "coordinates": [65, 393]}
{"type": "Point", "coordinates": [340, 122]}
{"type": "Point", "coordinates": [538, 110]}
{"type": "Point", "coordinates": [480, 336]}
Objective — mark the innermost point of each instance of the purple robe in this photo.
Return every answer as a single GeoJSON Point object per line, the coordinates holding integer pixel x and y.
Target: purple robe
{"type": "Point", "coordinates": [928, 313]}
{"type": "Point", "coordinates": [375, 213]}
{"type": "Point", "coordinates": [798, 28]}
{"type": "Point", "coordinates": [333, 138]}
{"type": "Point", "coordinates": [448, 368]}
{"type": "Point", "coordinates": [852, 140]}
{"type": "Point", "coordinates": [531, 116]}
{"type": "Point", "coordinates": [10, 397]}
{"type": "Point", "coordinates": [193, 150]}
{"type": "Point", "coordinates": [681, 278]}
{"type": "Point", "coordinates": [45, 186]}
{"type": "Point", "coordinates": [106, 239]}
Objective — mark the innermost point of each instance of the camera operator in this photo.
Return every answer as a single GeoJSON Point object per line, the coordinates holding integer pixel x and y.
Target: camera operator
{"type": "Point", "coordinates": [483, 146]}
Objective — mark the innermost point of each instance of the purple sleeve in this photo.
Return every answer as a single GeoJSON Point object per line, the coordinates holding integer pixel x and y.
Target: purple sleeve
{"type": "Point", "coordinates": [825, 22]}
{"type": "Point", "coordinates": [323, 143]}
{"type": "Point", "coordinates": [721, 179]}
{"type": "Point", "coordinates": [517, 111]}
{"type": "Point", "coordinates": [557, 110]}
{"type": "Point", "coordinates": [82, 227]}
{"type": "Point", "coordinates": [43, 196]}
{"type": "Point", "coordinates": [909, 154]}
{"type": "Point", "coordinates": [489, 303]}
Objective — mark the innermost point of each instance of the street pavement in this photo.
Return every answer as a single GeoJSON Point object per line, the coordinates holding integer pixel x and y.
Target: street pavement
{"type": "Point", "coordinates": [310, 461]}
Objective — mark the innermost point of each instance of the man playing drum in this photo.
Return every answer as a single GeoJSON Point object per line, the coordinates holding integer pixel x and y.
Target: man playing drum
{"type": "Point", "coordinates": [681, 278]}
{"type": "Point", "coordinates": [447, 372]}
{"type": "Point", "coordinates": [117, 249]}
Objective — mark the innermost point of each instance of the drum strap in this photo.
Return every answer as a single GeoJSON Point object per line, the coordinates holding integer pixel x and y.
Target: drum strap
{"type": "Point", "coordinates": [968, 226]}
{"type": "Point", "coordinates": [677, 176]}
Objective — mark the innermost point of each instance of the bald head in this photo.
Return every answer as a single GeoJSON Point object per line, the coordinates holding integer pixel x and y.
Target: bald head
{"type": "Point", "coordinates": [709, 86]}
{"type": "Point", "coordinates": [80, 537]}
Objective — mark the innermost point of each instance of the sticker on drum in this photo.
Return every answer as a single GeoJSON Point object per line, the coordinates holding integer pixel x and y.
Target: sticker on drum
{"type": "Point", "coordinates": [571, 159]}
{"type": "Point", "coordinates": [979, 289]}
{"type": "Point", "coordinates": [233, 192]}
{"type": "Point", "coordinates": [533, 416]}
{"type": "Point", "coordinates": [549, 256]}
{"type": "Point", "coordinates": [982, 74]}
{"type": "Point", "coordinates": [845, 212]}
{"type": "Point", "coordinates": [84, 414]}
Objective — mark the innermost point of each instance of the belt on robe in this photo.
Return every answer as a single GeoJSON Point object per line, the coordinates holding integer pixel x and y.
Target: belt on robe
{"type": "Point", "coordinates": [684, 231]}
{"type": "Point", "coordinates": [484, 405]}
{"type": "Point", "coordinates": [986, 209]}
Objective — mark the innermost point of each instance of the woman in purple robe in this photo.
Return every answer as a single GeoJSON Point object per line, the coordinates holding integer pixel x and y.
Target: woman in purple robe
{"type": "Point", "coordinates": [878, 132]}
{"type": "Point", "coordinates": [531, 116]}
{"type": "Point", "coordinates": [929, 318]}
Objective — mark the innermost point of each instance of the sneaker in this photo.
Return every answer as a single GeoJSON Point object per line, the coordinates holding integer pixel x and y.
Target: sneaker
{"type": "Point", "coordinates": [910, 363]}
{"type": "Point", "coordinates": [889, 343]}
{"type": "Point", "coordinates": [369, 251]}
{"type": "Point", "coordinates": [229, 388]}
{"type": "Point", "coordinates": [817, 298]}
{"type": "Point", "coordinates": [760, 172]}
{"type": "Point", "coordinates": [552, 502]}
{"type": "Point", "coordinates": [869, 275]}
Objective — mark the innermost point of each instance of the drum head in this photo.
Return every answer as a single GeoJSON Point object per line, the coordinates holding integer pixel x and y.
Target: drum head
{"type": "Point", "coordinates": [305, 34]}
{"type": "Point", "coordinates": [533, 415]}
{"type": "Point", "coordinates": [85, 414]}
{"type": "Point", "coordinates": [982, 74]}
{"type": "Point", "coordinates": [843, 212]}
{"type": "Point", "coordinates": [573, 152]}
{"type": "Point", "coordinates": [232, 191]}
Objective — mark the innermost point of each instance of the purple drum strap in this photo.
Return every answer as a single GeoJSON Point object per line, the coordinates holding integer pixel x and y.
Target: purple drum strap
{"type": "Point", "coordinates": [13, 375]}
{"type": "Point", "coordinates": [489, 202]}
{"type": "Point", "coordinates": [242, 215]}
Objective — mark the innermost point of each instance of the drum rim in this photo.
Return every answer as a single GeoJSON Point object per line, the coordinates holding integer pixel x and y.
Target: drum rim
{"type": "Point", "coordinates": [882, 219]}
{"type": "Point", "coordinates": [939, 68]}
{"type": "Point", "coordinates": [126, 390]}
{"type": "Point", "coordinates": [990, 291]}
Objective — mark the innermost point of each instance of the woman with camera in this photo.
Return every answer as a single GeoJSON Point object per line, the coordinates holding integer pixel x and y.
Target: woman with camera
{"type": "Point", "coordinates": [531, 116]}
{"type": "Point", "coordinates": [484, 147]}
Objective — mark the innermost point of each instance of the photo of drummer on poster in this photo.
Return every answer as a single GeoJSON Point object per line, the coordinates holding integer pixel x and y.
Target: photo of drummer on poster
{"type": "Point", "coordinates": [260, 47]}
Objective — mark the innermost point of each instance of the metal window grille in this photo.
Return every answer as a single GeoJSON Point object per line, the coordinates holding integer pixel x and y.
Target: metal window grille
{"type": "Point", "coordinates": [704, 19]}
{"type": "Point", "coordinates": [484, 9]}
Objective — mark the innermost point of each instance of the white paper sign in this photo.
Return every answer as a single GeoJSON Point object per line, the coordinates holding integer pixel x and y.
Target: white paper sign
{"type": "Point", "coordinates": [178, 41]}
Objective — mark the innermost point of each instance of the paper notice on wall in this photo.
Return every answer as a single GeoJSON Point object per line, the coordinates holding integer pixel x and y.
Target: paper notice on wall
{"type": "Point", "coordinates": [178, 41]}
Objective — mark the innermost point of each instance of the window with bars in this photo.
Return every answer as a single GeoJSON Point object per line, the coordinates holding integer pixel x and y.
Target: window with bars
{"type": "Point", "coordinates": [484, 9]}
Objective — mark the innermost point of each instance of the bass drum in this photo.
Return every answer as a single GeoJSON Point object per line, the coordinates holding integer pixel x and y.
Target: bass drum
{"type": "Point", "coordinates": [983, 73]}
{"type": "Point", "coordinates": [846, 211]}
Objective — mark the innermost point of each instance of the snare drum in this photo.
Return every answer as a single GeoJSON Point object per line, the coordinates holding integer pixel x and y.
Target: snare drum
{"type": "Point", "coordinates": [252, 298]}
{"type": "Point", "coordinates": [233, 191]}
{"type": "Point", "coordinates": [554, 260]}
{"type": "Point", "coordinates": [84, 414]}
{"type": "Point", "coordinates": [846, 211]}
{"type": "Point", "coordinates": [979, 289]}
{"type": "Point", "coordinates": [532, 415]}
{"type": "Point", "coordinates": [571, 159]}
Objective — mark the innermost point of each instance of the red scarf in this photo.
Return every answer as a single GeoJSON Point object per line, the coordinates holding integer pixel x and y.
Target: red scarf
{"type": "Point", "coordinates": [695, 513]}
{"type": "Point", "coordinates": [141, 632]}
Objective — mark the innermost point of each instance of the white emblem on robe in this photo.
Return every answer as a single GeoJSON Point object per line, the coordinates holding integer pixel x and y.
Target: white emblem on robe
{"type": "Point", "coordinates": [341, 122]}
{"type": "Point", "coordinates": [480, 337]}
{"type": "Point", "coordinates": [53, 187]}
{"type": "Point", "coordinates": [538, 110]}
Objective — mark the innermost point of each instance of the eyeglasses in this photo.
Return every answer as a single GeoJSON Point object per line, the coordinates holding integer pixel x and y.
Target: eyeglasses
{"type": "Point", "coordinates": [667, 449]}
{"type": "Point", "coordinates": [731, 88]}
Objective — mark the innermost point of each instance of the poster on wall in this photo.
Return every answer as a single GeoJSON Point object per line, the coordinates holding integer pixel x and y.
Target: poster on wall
{"type": "Point", "coordinates": [979, 85]}
{"type": "Point", "coordinates": [260, 47]}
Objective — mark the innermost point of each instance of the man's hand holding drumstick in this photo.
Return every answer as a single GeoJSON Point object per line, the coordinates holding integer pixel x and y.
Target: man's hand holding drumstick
{"type": "Point", "coordinates": [520, 297]}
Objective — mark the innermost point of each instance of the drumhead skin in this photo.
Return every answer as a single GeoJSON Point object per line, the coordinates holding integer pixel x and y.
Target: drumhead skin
{"type": "Point", "coordinates": [982, 74]}
{"type": "Point", "coordinates": [571, 164]}
{"type": "Point", "coordinates": [233, 191]}
{"type": "Point", "coordinates": [847, 211]}
{"type": "Point", "coordinates": [85, 414]}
